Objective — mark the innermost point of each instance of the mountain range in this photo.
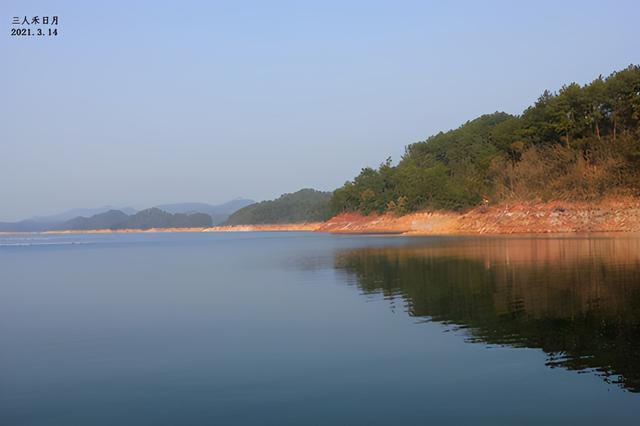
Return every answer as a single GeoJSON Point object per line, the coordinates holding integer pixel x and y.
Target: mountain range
{"type": "Point", "coordinates": [73, 213]}
{"type": "Point", "coordinates": [144, 219]}
{"type": "Point", "coordinates": [219, 213]}
{"type": "Point", "coordinates": [177, 215]}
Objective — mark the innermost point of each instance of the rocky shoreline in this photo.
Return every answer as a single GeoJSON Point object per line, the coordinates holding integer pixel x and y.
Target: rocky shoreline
{"type": "Point", "coordinates": [609, 215]}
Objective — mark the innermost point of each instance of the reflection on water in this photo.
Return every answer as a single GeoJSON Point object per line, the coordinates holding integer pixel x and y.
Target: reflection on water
{"type": "Point", "coordinates": [577, 299]}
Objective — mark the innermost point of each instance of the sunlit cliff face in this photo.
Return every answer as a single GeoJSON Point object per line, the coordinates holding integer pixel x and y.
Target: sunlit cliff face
{"type": "Point", "coordinates": [578, 299]}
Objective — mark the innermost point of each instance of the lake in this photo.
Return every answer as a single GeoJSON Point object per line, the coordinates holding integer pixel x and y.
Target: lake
{"type": "Point", "coordinates": [306, 328]}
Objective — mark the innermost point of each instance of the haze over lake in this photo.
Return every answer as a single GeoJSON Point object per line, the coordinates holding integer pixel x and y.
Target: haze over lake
{"type": "Point", "coordinates": [297, 328]}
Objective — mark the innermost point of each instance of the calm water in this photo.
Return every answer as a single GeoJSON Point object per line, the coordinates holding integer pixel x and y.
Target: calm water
{"type": "Point", "coordinates": [300, 328]}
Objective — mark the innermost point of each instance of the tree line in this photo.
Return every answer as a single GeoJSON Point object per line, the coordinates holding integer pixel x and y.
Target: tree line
{"type": "Point", "coordinates": [580, 143]}
{"type": "Point", "coordinates": [305, 205]}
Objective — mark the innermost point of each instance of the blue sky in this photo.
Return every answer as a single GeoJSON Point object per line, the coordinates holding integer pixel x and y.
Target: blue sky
{"type": "Point", "coordinates": [142, 103]}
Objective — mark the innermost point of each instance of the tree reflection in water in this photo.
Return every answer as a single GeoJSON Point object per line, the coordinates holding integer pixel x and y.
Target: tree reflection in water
{"type": "Point", "coordinates": [576, 298]}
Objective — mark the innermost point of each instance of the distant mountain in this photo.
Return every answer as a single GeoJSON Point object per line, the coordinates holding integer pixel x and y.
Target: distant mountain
{"type": "Point", "coordinates": [73, 213]}
{"type": "Point", "coordinates": [144, 219]}
{"type": "Point", "coordinates": [186, 207]}
{"type": "Point", "coordinates": [156, 218]}
{"type": "Point", "coordinates": [306, 205]}
{"type": "Point", "coordinates": [106, 217]}
{"type": "Point", "coordinates": [219, 213]}
{"type": "Point", "coordinates": [112, 219]}
{"type": "Point", "coordinates": [233, 206]}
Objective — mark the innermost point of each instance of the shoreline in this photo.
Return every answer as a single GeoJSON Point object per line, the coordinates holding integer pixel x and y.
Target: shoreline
{"type": "Point", "coordinates": [620, 214]}
{"type": "Point", "coordinates": [557, 217]}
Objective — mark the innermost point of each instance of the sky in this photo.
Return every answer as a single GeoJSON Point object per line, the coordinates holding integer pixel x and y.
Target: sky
{"type": "Point", "coordinates": [139, 103]}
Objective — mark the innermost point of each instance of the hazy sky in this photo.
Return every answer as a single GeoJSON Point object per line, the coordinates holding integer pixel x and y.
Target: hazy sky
{"type": "Point", "coordinates": [141, 103]}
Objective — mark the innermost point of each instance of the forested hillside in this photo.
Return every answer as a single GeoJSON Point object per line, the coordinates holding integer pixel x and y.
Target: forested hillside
{"type": "Point", "coordinates": [306, 205]}
{"type": "Point", "coordinates": [580, 143]}
{"type": "Point", "coordinates": [144, 219]}
{"type": "Point", "coordinates": [219, 213]}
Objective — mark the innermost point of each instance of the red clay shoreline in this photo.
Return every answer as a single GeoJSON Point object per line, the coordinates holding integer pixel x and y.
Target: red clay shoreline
{"type": "Point", "coordinates": [608, 215]}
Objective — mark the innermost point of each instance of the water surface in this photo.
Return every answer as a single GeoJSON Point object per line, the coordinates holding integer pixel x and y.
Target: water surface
{"type": "Point", "coordinates": [291, 328]}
